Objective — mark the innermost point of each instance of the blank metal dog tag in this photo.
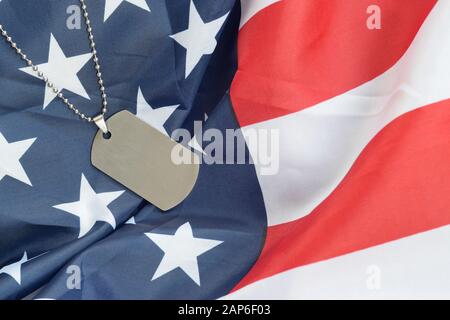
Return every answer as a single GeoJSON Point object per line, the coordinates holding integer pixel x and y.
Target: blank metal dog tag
{"type": "Point", "coordinates": [140, 157]}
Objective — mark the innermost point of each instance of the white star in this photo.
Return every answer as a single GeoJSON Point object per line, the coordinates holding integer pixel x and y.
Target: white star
{"type": "Point", "coordinates": [112, 5]}
{"type": "Point", "coordinates": [193, 143]}
{"type": "Point", "coordinates": [199, 38]}
{"type": "Point", "coordinates": [91, 207]}
{"type": "Point", "coordinates": [181, 251]}
{"type": "Point", "coordinates": [15, 269]}
{"type": "Point", "coordinates": [154, 117]}
{"type": "Point", "coordinates": [132, 220]}
{"type": "Point", "coordinates": [61, 71]}
{"type": "Point", "coordinates": [10, 154]}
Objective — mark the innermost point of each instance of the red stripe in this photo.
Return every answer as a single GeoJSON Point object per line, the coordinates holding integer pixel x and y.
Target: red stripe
{"type": "Point", "coordinates": [398, 186]}
{"type": "Point", "coordinates": [297, 53]}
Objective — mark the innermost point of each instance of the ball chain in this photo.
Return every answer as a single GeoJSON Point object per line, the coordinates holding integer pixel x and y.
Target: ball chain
{"type": "Point", "coordinates": [50, 84]}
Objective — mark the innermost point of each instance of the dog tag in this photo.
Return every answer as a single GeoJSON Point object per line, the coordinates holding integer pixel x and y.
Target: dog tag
{"type": "Point", "coordinates": [140, 157]}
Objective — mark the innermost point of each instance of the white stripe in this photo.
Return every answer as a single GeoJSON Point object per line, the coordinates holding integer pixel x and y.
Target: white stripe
{"type": "Point", "coordinates": [251, 7]}
{"type": "Point", "coordinates": [319, 144]}
{"type": "Point", "coordinates": [415, 267]}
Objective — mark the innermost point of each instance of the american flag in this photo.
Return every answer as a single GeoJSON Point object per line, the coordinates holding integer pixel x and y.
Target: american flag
{"type": "Point", "coordinates": [358, 209]}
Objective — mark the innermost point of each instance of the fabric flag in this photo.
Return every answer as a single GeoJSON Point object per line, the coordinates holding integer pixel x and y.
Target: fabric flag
{"type": "Point", "coordinates": [359, 205]}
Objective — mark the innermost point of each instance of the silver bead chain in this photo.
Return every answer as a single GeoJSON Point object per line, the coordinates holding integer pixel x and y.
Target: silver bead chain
{"type": "Point", "coordinates": [51, 85]}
